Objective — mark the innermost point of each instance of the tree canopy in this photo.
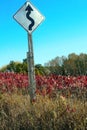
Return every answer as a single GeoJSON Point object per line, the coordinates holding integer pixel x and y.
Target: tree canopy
{"type": "Point", "coordinates": [72, 65]}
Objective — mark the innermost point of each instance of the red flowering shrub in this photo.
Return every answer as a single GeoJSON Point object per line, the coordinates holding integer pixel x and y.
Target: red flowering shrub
{"type": "Point", "coordinates": [44, 84]}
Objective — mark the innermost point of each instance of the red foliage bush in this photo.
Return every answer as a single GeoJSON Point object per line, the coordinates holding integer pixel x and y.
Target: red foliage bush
{"type": "Point", "coordinates": [44, 84]}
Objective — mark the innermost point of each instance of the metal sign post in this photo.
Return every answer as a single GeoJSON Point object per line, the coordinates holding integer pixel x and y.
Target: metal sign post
{"type": "Point", "coordinates": [29, 18]}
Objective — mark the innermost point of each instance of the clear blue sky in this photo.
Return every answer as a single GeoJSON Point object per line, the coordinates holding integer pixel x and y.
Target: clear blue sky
{"type": "Point", "coordinates": [64, 30]}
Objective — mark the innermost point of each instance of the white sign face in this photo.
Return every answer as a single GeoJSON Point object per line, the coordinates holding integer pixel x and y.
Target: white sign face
{"type": "Point", "coordinates": [28, 17]}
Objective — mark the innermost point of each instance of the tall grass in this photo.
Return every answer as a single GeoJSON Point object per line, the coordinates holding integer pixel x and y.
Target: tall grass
{"type": "Point", "coordinates": [47, 113]}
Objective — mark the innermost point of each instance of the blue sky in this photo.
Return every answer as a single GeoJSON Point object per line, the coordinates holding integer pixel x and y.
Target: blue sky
{"type": "Point", "coordinates": [63, 31]}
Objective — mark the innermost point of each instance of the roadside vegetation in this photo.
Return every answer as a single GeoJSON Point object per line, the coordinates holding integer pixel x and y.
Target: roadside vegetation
{"type": "Point", "coordinates": [61, 95]}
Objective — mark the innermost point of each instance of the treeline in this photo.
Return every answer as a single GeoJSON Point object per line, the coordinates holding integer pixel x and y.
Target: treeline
{"type": "Point", "coordinates": [21, 67]}
{"type": "Point", "coordinates": [72, 65]}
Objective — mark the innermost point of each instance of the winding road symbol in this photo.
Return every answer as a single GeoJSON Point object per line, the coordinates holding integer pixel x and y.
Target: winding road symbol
{"type": "Point", "coordinates": [29, 9]}
{"type": "Point", "coordinates": [28, 17]}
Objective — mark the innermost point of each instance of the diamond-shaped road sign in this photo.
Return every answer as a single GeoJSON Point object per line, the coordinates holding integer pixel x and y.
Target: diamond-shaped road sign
{"type": "Point", "coordinates": [28, 17]}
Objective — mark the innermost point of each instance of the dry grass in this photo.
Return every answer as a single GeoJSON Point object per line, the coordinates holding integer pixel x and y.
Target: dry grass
{"type": "Point", "coordinates": [59, 113]}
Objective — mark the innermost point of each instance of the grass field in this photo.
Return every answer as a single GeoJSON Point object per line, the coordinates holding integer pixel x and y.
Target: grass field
{"type": "Point", "coordinates": [63, 108]}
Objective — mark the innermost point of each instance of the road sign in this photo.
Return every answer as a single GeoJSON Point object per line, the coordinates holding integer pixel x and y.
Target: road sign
{"type": "Point", "coordinates": [28, 17]}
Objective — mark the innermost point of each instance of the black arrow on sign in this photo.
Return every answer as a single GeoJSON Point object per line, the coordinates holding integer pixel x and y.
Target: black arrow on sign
{"type": "Point", "coordinates": [29, 9]}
